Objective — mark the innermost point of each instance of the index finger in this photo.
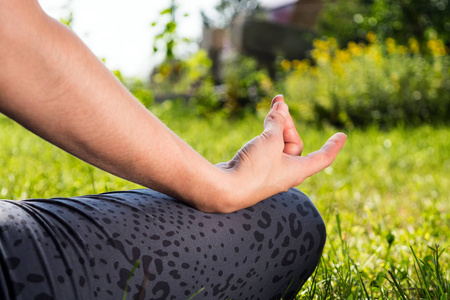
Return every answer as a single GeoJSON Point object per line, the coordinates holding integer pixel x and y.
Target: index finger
{"type": "Point", "coordinates": [292, 141]}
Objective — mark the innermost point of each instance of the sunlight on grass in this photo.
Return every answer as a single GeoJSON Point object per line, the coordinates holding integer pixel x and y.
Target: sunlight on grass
{"type": "Point", "coordinates": [385, 199]}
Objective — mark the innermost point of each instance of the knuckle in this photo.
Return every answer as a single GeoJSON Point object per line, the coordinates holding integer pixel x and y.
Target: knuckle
{"type": "Point", "coordinates": [275, 117]}
{"type": "Point", "coordinates": [324, 158]}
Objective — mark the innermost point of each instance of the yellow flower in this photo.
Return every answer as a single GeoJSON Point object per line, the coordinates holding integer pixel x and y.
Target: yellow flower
{"type": "Point", "coordinates": [354, 49]}
{"type": "Point", "coordinates": [390, 41]}
{"type": "Point", "coordinates": [303, 66]}
{"type": "Point", "coordinates": [332, 43]}
{"type": "Point", "coordinates": [413, 45]}
{"type": "Point", "coordinates": [371, 37]}
{"type": "Point", "coordinates": [342, 55]}
{"type": "Point", "coordinates": [437, 47]}
{"type": "Point", "coordinates": [285, 65]}
{"type": "Point", "coordinates": [337, 68]}
{"type": "Point", "coordinates": [402, 49]}
{"type": "Point", "coordinates": [295, 63]}
{"type": "Point", "coordinates": [390, 45]}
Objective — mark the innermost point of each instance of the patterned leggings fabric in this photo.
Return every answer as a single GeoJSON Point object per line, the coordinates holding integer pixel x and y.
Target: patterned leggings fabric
{"type": "Point", "coordinates": [87, 247]}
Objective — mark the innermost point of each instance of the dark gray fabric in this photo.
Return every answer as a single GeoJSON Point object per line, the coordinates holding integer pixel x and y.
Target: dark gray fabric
{"type": "Point", "coordinates": [85, 248]}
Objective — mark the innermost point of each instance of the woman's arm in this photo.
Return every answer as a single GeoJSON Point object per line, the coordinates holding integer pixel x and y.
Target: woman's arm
{"type": "Point", "coordinates": [53, 85]}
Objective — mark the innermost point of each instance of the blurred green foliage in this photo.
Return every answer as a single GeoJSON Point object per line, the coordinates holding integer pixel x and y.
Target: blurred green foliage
{"type": "Point", "coordinates": [351, 20]}
{"type": "Point", "coordinates": [380, 83]}
{"type": "Point", "coordinates": [386, 64]}
{"type": "Point", "coordinates": [246, 88]}
{"type": "Point", "coordinates": [168, 38]}
{"type": "Point", "coordinates": [181, 77]}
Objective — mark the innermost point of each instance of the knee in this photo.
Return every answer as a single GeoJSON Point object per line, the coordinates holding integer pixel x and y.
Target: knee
{"type": "Point", "coordinates": [302, 221]}
{"type": "Point", "coordinates": [291, 233]}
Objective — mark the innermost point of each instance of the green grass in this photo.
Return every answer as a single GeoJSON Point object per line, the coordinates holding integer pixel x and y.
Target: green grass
{"type": "Point", "coordinates": [385, 199]}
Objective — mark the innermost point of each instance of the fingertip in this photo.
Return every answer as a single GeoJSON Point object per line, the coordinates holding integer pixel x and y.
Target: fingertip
{"type": "Point", "coordinates": [278, 114]}
{"type": "Point", "coordinates": [278, 98]}
{"type": "Point", "coordinates": [340, 136]}
{"type": "Point", "coordinates": [335, 143]}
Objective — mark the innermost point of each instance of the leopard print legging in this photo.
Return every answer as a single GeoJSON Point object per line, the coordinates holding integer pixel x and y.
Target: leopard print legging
{"type": "Point", "coordinates": [86, 248]}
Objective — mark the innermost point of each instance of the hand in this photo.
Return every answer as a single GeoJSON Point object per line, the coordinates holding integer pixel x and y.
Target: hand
{"type": "Point", "coordinates": [272, 162]}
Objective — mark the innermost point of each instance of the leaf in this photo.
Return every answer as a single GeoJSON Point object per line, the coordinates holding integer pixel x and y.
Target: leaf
{"type": "Point", "coordinates": [171, 26]}
{"type": "Point", "coordinates": [159, 36]}
{"type": "Point", "coordinates": [166, 11]}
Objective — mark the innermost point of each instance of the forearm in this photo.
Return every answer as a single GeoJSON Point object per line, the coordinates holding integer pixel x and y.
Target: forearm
{"type": "Point", "coordinates": [53, 85]}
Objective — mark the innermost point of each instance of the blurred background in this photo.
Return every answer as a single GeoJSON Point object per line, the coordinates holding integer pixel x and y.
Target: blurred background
{"type": "Point", "coordinates": [347, 63]}
{"type": "Point", "coordinates": [378, 70]}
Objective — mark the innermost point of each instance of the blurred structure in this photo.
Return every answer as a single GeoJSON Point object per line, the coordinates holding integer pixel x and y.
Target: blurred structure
{"type": "Point", "coordinates": [302, 14]}
{"type": "Point", "coordinates": [265, 33]}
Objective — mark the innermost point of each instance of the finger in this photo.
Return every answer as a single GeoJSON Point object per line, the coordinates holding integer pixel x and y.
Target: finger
{"type": "Point", "coordinates": [276, 99]}
{"type": "Point", "coordinates": [292, 140]}
{"type": "Point", "coordinates": [293, 149]}
{"type": "Point", "coordinates": [276, 118]}
{"type": "Point", "coordinates": [322, 158]}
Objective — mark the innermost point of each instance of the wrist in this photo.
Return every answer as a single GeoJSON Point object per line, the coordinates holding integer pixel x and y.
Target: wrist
{"type": "Point", "coordinates": [226, 190]}
{"type": "Point", "coordinates": [214, 191]}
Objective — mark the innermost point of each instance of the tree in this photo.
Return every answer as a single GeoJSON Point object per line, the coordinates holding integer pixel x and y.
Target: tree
{"type": "Point", "coordinates": [350, 20]}
{"type": "Point", "coordinates": [227, 11]}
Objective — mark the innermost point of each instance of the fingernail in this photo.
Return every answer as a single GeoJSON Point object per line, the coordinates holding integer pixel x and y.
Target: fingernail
{"type": "Point", "coordinates": [279, 95]}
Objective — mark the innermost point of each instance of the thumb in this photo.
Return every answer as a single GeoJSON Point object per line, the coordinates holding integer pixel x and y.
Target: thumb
{"type": "Point", "coordinates": [275, 120]}
{"type": "Point", "coordinates": [322, 158]}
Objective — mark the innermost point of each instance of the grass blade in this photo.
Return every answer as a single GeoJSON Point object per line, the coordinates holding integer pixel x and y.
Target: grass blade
{"type": "Point", "coordinates": [136, 264]}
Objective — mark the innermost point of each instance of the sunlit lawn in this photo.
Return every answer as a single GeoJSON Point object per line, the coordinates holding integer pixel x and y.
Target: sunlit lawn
{"type": "Point", "coordinates": [388, 190]}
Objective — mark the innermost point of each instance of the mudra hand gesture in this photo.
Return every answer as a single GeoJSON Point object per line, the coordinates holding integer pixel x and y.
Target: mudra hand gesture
{"type": "Point", "coordinates": [272, 162]}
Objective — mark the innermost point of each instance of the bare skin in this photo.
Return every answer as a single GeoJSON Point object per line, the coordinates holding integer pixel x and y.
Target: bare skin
{"type": "Point", "coordinates": [53, 85]}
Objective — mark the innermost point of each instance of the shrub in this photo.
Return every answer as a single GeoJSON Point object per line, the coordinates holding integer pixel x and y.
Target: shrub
{"type": "Point", "coordinates": [351, 20]}
{"type": "Point", "coordinates": [175, 76]}
{"type": "Point", "coordinates": [247, 86]}
{"type": "Point", "coordinates": [371, 83]}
